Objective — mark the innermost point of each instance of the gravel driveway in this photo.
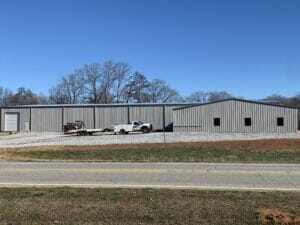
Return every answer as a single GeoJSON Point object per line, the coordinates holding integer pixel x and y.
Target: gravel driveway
{"type": "Point", "coordinates": [48, 139]}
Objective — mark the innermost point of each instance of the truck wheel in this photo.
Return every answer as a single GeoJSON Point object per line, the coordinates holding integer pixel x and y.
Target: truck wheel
{"type": "Point", "coordinates": [122, 131]}
{"type": "Point", "coordinates": [145, 130]}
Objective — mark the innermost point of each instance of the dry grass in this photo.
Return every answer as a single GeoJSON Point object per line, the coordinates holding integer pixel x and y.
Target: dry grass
{"type": "Point", "coordinates": [277, 216]}
{"type": "Point", "coordinates": [261, 151]}
{"type": "Point", "coordinates": [258, 145]}
{"type": "Point", "coordinates": [142, 206]}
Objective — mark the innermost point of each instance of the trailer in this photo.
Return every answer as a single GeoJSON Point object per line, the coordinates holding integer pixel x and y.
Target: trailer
{"type": "Point", "coordinates": [78, 128]}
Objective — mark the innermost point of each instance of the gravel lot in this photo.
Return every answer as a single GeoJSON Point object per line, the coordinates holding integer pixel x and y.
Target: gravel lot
{"type": "Point", "coordinates": [50, 139]}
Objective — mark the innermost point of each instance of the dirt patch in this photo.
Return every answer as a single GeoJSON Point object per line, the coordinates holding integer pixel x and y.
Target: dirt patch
{"type": "Point", "coordinates": [278, 217]}
{"type": "Point", "coordinates": [292, 145]}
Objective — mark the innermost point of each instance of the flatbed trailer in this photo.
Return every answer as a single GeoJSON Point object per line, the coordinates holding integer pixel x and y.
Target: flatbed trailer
{"type": "Point", "coordinates": [84, 132]}
{"type": "Point", "coordinates": [78, 128]}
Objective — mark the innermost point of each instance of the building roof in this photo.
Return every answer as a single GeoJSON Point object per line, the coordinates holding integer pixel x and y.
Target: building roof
{"type": "Point", "coordinates": [237, 99]}
{"type": "Point", "coordinates": [103, 105]}
{"type": "Point", "coordinates": [181, 105]}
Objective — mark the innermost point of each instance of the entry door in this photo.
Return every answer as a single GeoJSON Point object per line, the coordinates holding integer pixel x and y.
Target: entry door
{"type": "Point", "coordinates": [11, 122]}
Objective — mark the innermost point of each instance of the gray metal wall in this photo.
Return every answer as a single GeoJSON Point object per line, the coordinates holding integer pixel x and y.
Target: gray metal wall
{"type": "Point", "coordinates": [169, 116]}
{"type": "Point", "coordinates": [149, 114]}
{"type": "Point", "coordinates": [197, 118]}
{"type": "Point", "coordinates": [298, 119]}
{"type": "Point", "coordinates": [232, 114]}
{"type": "Point", "coordinates": [46, 119]}
{"type": "Point", "coordinates": [85, 114]}
{"type": "Point", "coordinates": [24, 116]}
{"type": "Point", "coordinates": [105, 117]}
{"type": "Point", "coordinates": [52, 117]}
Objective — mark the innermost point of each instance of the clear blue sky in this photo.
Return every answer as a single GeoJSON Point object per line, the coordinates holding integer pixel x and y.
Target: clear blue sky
{"type": "Point", "coordinates": [250, 48]}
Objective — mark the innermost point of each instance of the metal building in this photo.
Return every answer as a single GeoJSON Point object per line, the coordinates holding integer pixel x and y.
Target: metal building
{"type": "Point", "coordinates": [227, 116]}
{"type": "Point", "coordinates": [236, 116]}
{"type": "Point", "coordinates": [46, 118]}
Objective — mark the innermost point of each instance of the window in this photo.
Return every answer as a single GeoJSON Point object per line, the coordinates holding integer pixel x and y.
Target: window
{"type": "Point", "coordinates": [248, 121]}
{"type": "Point", "coordinates": [217, 122]}
{"type": "Point", "coordinates": [280, 121]}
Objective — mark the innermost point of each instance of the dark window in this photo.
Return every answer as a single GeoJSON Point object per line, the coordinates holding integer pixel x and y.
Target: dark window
{"type": "Point", "coordinates": [280, 121]}
{"type": "Point", "coordinates": [217, 122]}
{"type": "Point", "coordinates": [248, 121]}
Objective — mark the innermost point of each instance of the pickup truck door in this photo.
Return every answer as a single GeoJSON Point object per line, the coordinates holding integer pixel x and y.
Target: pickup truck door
{"type": "Point", "coordinates": [135, 125]}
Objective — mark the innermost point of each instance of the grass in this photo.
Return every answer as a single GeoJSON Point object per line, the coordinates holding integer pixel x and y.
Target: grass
{"type": "Point", "coordinates": [270, 151]}
{"type": "Point", "coordinates": [141, 206]}
{"type": "Point", "coordinates": [165, 154]}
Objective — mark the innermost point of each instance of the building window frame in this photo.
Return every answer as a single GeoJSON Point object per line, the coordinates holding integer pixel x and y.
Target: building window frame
{"type": "Point", "coordinates": [217, 121]}
{"type": "Point", "coordinates": [280, 121]}
{"type": "Point", "coordinates": [248, 121]}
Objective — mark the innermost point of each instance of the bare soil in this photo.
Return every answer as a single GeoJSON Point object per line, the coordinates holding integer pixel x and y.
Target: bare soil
{"type": "Point", "coordinates": [292, 145]}
{"type": "Point", "coordinates": [277, 216]}
{"type": "Point", "coordinates": [254, 151]}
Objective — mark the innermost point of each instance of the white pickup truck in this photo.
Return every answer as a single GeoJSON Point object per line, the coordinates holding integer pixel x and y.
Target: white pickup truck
{"type": "Point", "coordinates": [133, 127]}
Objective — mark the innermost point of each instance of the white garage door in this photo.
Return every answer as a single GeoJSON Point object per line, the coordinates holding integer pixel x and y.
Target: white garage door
{"type": "Point", "coordinates": [11, 121]}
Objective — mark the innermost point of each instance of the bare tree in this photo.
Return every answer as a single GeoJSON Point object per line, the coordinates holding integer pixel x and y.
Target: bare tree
{"type": "Point", "coordinates": [275, 98]}
{"type": "Point", "coordinates": [198, 96]}
{"type": "Point", "coordinates": [294, 101]}
{"type": "Point", "coordinates": [69, 90]}
{"type": "Point", "coordinates": [218, 95]}
{"type": "Point", "coordinates": [121, 76]}
{"type": "Point", "coordinates": [107, 82]}
{"type": "Point", "coordinates": [57, 95]}
{"type": "Point", "coordinates": [22, 97]}
{"type": "Point", "coordinates": [160, 91]}
{"type": "Point", "coordinates": [74, 87]}
{"type": "Point", "coordinates": [137, 89]}
{"type": "Point", "coordinates": [4, 94]}
{"type": "Point", "coordinates": [92, 77]}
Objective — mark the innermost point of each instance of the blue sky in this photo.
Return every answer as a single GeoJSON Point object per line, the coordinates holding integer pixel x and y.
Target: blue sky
{"type": "Point", "coordinates": [250, 48]}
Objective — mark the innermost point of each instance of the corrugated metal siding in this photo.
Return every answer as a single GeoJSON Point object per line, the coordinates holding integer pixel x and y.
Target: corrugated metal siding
{"type": "Point", "coordinates": [232, 114]}
{"type": "Point", "coordinates": [46, 119]}
{"type": "Point", "coordinates": [108, 116]}
{"type": "Point", "coordinates": [169, 116]}
{"type": "Point", "coordinates": [85, 114]}
{"type": "Point", "coordinates": [23, 117]}
{"type": "Point", "coordinates": [197, 118]}
{"type": "Point", "coordinates": [298, 119]}
{"type": "Point", "coordinates": [149, 114]}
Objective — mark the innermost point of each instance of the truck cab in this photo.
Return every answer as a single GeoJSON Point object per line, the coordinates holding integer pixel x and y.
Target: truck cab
{"type": "Point", "coordinates": [134, 126]}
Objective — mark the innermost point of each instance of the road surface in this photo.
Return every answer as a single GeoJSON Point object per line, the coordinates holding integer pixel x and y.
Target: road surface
{"type": "Point", "coordinates": [152, 175]}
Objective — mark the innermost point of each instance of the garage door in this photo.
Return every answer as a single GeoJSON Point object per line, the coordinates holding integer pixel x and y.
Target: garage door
{"type": "Point", "coordinates": [11, 121]}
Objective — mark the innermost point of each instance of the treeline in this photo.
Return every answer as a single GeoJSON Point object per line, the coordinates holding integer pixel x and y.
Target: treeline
{"type": "Point", "coordinates": [115, 82]}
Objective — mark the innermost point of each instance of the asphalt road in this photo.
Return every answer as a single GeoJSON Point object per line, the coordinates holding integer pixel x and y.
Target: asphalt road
{"type": "Point", "coordinates": [152, 175]}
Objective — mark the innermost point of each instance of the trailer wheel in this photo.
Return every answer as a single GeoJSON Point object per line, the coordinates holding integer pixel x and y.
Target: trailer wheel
{"type": "Point", "coordinates": [122, 131]}
{"type": "Point", "coordinates": [145, 130]}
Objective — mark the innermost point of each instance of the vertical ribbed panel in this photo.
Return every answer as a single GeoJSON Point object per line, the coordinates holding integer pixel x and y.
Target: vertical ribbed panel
{"type": "Point", "coordinates": [85, 114]}
{"type": "Point", "coordinates": [169, 115]}
{"type": "Point", "coordinates": [24, 116]}
{"type": "Point", "coordinates": [108, 116]}
{"type": "Point", "coordinates": [232, 114]}
{"type": "Point", "coordinates": [148, 114]}
{"type": "Point", "coordinates": [46, 119]}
